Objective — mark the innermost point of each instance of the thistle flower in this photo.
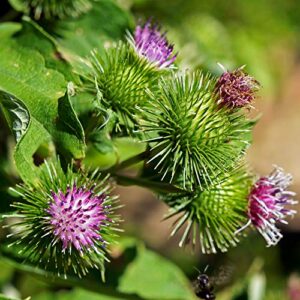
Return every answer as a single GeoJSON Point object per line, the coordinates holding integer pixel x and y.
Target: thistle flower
{"type": "Point", "coordinates": [76, 216]}
{"type": "Point", "coordinates": [213, 213]}
{"type": "Point", "coordinates": [152, 44]}
{"type": "Point", "coordinates": [65, 221]}
{"type": "Point", "coordinates": [50, 9]}
{"type": "Point", "coordinates": [126, 71]}
{"type": "Point", "coordinates": [236, 89]}
{"type": "Point", "coordinates": [267, 205]}
{"type": "Point", "coordinates": [190, 136]}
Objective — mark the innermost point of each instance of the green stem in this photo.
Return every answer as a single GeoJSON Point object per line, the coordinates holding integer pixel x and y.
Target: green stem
{"type": "Point", "coordinates": [155, 186]}
{"type": "Point", "coordinates": [152, 185]}
{"type": "Point", "coordinates": [129, 162]}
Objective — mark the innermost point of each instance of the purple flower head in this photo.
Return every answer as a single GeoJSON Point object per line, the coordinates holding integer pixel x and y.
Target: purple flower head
{"type": "Point", "coordinates": [67, 220]}
{"type": "Point", "coordinates": [267, 204]}
{"type": "Point", "coordinates": [77, 217]}
{"type": "Point", "coordinates": [236, 89]}
{"type": "Point", "coordinates": [152, 44]}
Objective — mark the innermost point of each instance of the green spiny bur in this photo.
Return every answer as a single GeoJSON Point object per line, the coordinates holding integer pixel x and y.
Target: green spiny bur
{"type": "Point", "coordinates": [212, 214]}
{"type": "Point", "coordinates": [190, 135]}
{"type": "Point", "coordinates": [121, 78]}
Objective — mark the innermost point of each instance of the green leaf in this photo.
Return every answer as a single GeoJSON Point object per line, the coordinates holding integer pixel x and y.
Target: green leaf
{"type": "Point", "coordinates": [126, 148]}
{"type": "Point", "coordinates": [101, 137]}
{"type": "Point", "coordinates": [16, 4]}
{"type": "Point", "coordinates": [29, 134]}
{"type": "Point", "coordinates": [105, 21]}
{"type": "Point", "coordinates": [36, 38]}
{"type": "Point", "coordinates": [77, 294]}
{"type": "Point", "coordinates": [16, 115]}
{"type": "Point", "coordinates": [8, 29]}
{"type": "Point", "coordinates": [102, 142]}
{"type": "Point", "coordinates": [69, 126]}
{"type": "Point", "coordinates": [153, 277]}
{"type": "Point", "coordinates": [40, 91]}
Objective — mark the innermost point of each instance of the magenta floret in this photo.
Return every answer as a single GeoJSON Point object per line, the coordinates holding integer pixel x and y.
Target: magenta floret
{"type": "Point", "coordinates": [77, 217]}
{"type": "Point", "coordinates": [152, 44]}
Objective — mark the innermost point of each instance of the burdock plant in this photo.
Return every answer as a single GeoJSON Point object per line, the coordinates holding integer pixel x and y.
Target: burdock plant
{"type": "Point", "coordinates": [213, 212]}
{"type": "Point", "coordinates": [198, 132]}
{"type": "Point", "coordinates": [192, 139]}
{"type": "Point", "coordinates": [194, 128]}
{"type": "Point", "coordinates": [124, 73]}
{"type": "Point", "coordinates": [66, 221]}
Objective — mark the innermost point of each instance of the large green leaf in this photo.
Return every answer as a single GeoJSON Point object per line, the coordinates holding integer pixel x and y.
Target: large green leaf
{"type": "Point", "coordinates": [26, 81]}
{"type": "Point", "coordinates": [33, 36]}
{"type": "Point", "coordinates": [153, 277]}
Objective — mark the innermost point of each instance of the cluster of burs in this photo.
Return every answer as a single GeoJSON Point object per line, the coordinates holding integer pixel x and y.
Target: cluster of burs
{"type": "Point", "coordinates": [196, 129]}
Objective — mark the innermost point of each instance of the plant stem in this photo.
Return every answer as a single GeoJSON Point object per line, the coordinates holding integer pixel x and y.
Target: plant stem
{"type": "Point", "coordinates": [152, 185]}
{"type": "Point", "coordinates": [129, 162]}
{"type": "Point", "coordinates": [155, 186]}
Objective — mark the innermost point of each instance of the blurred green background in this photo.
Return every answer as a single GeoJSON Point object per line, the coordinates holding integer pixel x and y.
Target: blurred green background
{"type": "Point", "coordinates": [264, 35]}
